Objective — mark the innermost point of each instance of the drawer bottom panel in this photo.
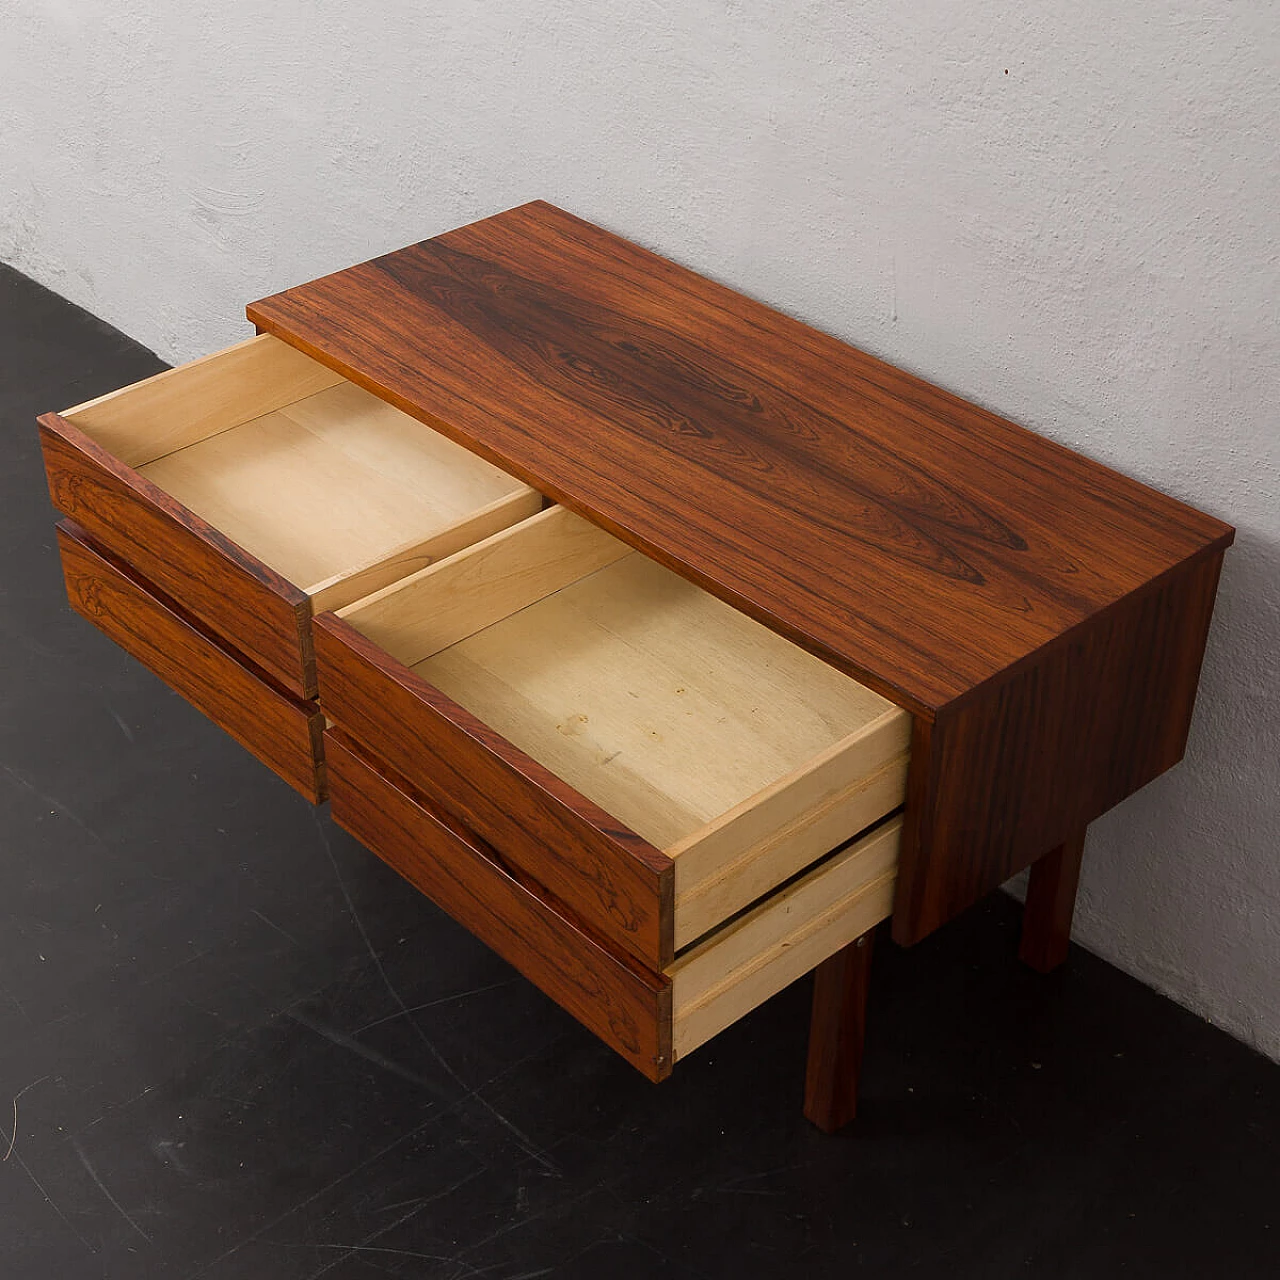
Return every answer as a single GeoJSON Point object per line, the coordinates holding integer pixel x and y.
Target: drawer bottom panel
{"type": "Point", "coordinates": [284, 732]}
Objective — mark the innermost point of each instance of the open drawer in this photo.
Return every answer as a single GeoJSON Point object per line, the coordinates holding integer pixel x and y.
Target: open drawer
{"type": "Point", "coordinates": [651, 1019]}
{"type": "Point", "coordinates": [256, 486]}
{"type": "Point", "coordinates": [651, 757]}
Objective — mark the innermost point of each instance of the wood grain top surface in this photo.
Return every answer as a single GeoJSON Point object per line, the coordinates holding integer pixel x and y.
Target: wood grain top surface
{"type": "Point", "coordinates": [918, 542]}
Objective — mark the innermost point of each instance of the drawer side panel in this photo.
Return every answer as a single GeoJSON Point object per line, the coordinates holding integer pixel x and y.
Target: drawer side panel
{"type": "Point", "coordinates": [741, 966]}
{"type": "Point", "coordinates": [771, 837]}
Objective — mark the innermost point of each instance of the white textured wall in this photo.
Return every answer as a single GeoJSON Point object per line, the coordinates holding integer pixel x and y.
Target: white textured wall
{"type": "Point", "coordinates": [1066, 211]}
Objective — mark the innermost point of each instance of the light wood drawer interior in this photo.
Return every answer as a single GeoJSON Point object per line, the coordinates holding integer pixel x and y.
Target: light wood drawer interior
{"type": "Point", "coordinates": [335, 490]}
{"type": "Point", "coordinates": [739, 755]}
{"type": "Point", "coordinates": [744, 962]}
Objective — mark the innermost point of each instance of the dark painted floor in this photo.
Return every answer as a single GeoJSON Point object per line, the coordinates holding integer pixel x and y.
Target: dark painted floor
{"type": "Point", "coordinates": [239, 1046]}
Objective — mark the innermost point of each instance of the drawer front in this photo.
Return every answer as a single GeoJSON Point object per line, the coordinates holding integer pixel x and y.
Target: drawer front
{"type": "Point", "coordinates": [619, 884]}
{"type": "Point", "coordinates": [628, 1008]}
{"type": "Point", "coordinates": [283, 732]}
{"type": "Point", "coordinates": [205, 572]}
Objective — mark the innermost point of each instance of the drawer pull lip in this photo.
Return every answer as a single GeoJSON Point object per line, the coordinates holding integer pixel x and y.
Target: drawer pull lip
{"type": "Point", "coordinates": [162, 598]}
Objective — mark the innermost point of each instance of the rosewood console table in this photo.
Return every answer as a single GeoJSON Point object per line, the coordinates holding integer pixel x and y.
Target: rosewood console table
{"type": "Point", "coordinates": [668, 644]}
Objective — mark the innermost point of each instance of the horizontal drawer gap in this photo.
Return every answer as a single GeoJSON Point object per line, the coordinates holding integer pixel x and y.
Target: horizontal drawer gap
{"type": "Point", "coordinates": [892, 820]}
{"type": "Point", "coordinates": [710, 985]}
{"type": "Point", "coordinates": [188, 619]}
{"type": "Point", "coordinates": [355, 749]}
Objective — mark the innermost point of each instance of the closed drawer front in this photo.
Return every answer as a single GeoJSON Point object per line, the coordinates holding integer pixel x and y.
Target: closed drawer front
{"type": "Point", "coordinates": [284, 732]}
{"type": "Point", "coordinates": [653, 758]}
{"type": "Point", "coordinates": [256, 486]}
{"type": "Point", "coordinates": [652, 1020]}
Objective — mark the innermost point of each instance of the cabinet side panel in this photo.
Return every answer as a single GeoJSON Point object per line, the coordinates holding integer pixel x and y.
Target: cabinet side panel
{"type": "Point", "coordinates": [1016, 771]}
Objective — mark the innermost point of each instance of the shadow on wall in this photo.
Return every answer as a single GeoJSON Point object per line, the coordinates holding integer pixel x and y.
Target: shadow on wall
{"type": "Point", "coordinates": [1181, 883]}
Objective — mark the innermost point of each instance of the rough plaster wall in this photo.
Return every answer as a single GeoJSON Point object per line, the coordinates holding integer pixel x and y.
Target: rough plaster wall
{"type": "Point", "coordinates": [1064, 211]}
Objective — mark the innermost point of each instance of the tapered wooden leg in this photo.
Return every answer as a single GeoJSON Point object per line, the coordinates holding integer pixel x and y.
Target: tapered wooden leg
{"type": "Point", "coordinates": [1051, 900]}
{"type": "Point", "coordinates": [837, 1029]}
